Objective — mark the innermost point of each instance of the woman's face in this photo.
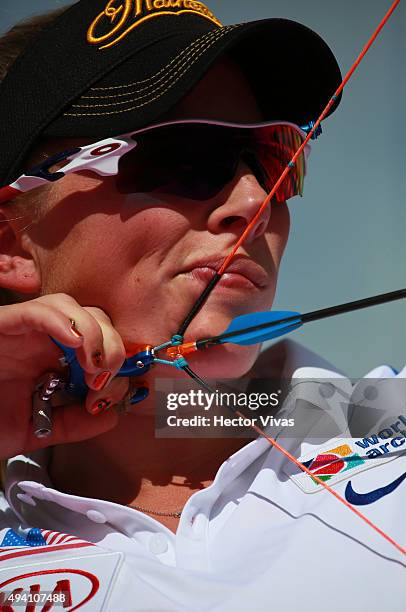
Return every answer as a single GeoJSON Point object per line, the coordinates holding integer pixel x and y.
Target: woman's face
{"type": "Point", "coordinates": [145, 258]}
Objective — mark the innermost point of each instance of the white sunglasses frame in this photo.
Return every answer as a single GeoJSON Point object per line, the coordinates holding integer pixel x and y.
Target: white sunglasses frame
{"type": "Point", "coordinates": [103, 156]}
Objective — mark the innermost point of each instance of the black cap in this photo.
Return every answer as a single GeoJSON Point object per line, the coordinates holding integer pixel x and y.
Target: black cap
{"type": "Point", "coordinates": [104, 68]}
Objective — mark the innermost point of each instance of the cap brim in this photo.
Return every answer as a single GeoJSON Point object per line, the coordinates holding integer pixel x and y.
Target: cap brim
{"type": "Point", "coordinates": [292, 72]}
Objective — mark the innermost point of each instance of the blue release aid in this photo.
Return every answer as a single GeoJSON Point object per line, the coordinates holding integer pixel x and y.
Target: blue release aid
{"type": "Point", "coordinates": [259, 318]}
{"type": "Point", "coordinates": [134, 366]}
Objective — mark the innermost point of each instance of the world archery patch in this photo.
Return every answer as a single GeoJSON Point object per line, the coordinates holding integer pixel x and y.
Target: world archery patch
{"type": "Point", "coordinates": [332, 464]}
{"type": "Point", "coordinates": [119, 18]}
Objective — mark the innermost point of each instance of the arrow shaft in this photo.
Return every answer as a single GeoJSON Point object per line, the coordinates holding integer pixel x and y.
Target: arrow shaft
{"type": "Point", "coordinates": [316, 315]}
{"type": "Point", "coordinates": [375, 300]}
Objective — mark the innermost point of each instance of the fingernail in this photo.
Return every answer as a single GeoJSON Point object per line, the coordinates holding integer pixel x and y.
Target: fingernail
{"type": "Point", "coordinates": [100, 405]}
{"type": "Point", "coordinates": [101, 380]}
{"type": "Point", "coordinates": [97, 358]}
{"type": "Point", "coordinates": [74, 329]}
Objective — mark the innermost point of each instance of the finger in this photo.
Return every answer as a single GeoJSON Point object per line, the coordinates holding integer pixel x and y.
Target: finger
{"type": "Point", "coordinates": [114, 352]}
{"type": "Point", "coordinates": [98, 402]}
{"type": "Point", "coordinates": [90, 352]}
{"type": "Point", "coordinates": [22, 318]}
{"type": "Point", "coordinates": [74, 423]}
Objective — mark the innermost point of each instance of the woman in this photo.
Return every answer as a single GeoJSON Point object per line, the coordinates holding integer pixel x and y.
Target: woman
{"type": "Point", "coordinates": [126, 267]}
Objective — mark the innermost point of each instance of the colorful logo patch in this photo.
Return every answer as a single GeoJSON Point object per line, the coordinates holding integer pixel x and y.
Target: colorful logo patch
{"type": "Point", "coordinates": [120, 17]}
{"type": "Point", "coordinates": [332, 462]}
{"type": "Point", "coordinates": [333, 465]}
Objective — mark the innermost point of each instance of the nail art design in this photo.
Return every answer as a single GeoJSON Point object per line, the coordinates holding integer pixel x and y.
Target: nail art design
{"type": "Point", "coordinates": [74, 329]}
{"type": "Point", "coordinates": [100, 405]}
{"type": "Point", "coordinates": [101, 380]}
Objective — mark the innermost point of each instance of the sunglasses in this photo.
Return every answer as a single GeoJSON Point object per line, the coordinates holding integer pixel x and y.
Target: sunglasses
{"type": "Point", "coordinates": [193, 159]}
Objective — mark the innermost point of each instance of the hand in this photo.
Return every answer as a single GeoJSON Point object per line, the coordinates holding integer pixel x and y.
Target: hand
{"type": "Point", "coordinates": [27, 352]}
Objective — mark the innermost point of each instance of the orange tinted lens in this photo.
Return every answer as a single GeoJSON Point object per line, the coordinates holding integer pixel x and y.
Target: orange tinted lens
{"type": "Point", "coordinates": [275, 147]}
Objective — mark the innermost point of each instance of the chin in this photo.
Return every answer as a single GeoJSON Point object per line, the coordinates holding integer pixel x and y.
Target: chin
{"type": "Point", "coordinates": [224, 361]}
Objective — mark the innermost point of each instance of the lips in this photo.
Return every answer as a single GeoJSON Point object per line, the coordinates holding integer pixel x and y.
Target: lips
{"type": "Point", "coordinates": [243, 271]}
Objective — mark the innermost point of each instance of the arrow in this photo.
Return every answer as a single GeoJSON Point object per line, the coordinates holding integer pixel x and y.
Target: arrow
{"type": "Point", "coordinates": [260, 326]}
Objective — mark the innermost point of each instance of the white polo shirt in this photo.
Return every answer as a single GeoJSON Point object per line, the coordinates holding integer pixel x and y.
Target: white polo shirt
{"type": "Point", "coordinates": [263, 537]}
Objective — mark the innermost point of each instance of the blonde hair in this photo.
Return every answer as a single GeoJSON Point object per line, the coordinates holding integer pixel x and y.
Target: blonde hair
{"type": "Point", "coordinates": [12, 44]}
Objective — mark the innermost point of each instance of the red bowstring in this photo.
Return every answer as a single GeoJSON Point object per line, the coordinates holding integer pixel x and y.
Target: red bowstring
{"type": "Point", "coordinates": [248, 229]}
{"type": "Point", "coordinates": [288, 168]}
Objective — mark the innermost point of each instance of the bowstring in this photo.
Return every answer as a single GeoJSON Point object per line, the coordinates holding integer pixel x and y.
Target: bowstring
{"type": "Point", "coordinates": [207, 291]}
{"type": "Point", "coordinates": [205, 294]}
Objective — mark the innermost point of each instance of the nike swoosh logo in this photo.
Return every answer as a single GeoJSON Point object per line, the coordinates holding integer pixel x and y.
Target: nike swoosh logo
{"type": "Point", "coordinates": [362, 499]}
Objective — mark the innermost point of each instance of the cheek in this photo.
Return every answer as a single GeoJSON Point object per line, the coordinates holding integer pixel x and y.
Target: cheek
{"type": "Point", "coordinates": [149, 226]}
{"type": "Point", "coordinates": [278, 232]}
{"type": "Point", "coordinates": [110, 247]}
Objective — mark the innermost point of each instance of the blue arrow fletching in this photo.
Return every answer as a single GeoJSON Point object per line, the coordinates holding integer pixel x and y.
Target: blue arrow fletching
{"type": "Point", "coordinates": [246, 338]}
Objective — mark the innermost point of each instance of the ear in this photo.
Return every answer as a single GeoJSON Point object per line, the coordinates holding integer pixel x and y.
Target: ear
{"type": "Point", "coordinates": [18, 268]}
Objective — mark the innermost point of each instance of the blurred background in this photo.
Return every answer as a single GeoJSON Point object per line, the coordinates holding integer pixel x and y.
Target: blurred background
{"type": "Point", "coordinates": [348, 237]}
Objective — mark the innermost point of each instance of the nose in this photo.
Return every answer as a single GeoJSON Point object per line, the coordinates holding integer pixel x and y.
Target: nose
{"type": "Point", "coordinates": [242, 198]}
